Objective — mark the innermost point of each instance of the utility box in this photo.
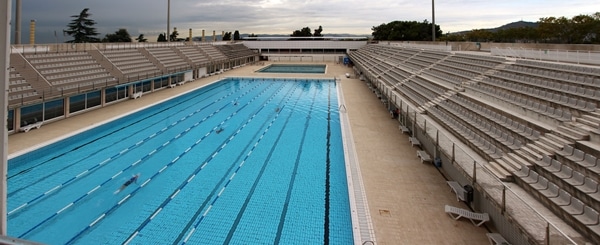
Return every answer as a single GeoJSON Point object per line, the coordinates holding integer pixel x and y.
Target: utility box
{"type": "Point", "coordinates": [468, 193]}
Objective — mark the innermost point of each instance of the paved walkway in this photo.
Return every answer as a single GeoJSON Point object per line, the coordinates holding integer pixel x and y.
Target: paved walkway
{"type": "Point", "coordinates": [406, 198]}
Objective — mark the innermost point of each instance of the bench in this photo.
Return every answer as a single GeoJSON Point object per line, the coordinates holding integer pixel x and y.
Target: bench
{"type": "Point", "coordinates": [424, 156]}
{"type": "Point", "coordinates": [28, 127]}
{"type": "Point", "coordinates": [496, 239]}
{"type": "Point", "coordinates": [414, 141]}
{"type": "Point", "coordinates": [181, 83]}
{"type": "Point", "coordinates": [476, 218]}
{"type": "Point", "coordinates": [136, 95]}
{"type": "Point", "coordinates": [458, 189]}
{"type": "Point", "coordinates": [404, 129]}
{"type": "Point", "coordinates": [172, 85]}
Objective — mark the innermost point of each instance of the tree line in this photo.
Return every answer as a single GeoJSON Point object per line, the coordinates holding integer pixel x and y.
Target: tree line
{"type": "Point", "coordinates": [82, 30]}
{"type": "Point", "coordinates": [580, 29]}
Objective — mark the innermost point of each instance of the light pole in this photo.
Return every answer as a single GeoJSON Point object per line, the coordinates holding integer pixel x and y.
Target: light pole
{"type": "Point", "coordinates": [433, 20]}
{"type": "Point", "coordinates": [168, 36]}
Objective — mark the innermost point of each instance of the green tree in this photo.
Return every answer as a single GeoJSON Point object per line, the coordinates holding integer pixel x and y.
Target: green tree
{"type": "Point", "coordinates": [405, 31]}
{"type": "Point", "coordinates": [226, 36]}
{"type": "Point", "coordinates": [318, 32]}
{"type": "Point", "coordinates": [304, 32]}
{"type": "Point", "coordinates": [236, 35]}
{"type": "Point", "coordinates": [141, 38]}
{"type": "Point", "coordinates": [120, 36]}
{"type": "Point", "coordinates": [82, 28]}
{"type": "Point", "coordinates": [161, 38]}
{"type": "Point", "coordinates": [173, 36]}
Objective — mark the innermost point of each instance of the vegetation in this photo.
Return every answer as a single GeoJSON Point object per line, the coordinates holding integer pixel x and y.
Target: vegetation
{"type": "Point", "coordinates": [141, 38]}
{"type": "Point", "coordinates": [82, 28]}
{"type": "Point", "coordinates": [580, 29]}
{"type": "Point", "coordinates": [120, 36]}
{"type": "Point", "coordinates": [304, 32]}
{"type": "Point", "coordinates": [161, 38]}
{"type": "Point", "coordinates": [226, 36]}
{"type": "Point", "coordinates": [236, 35]}
{"type": "Point", "coordinates": [405, 31]}
{"type": "Point", "coordinates": [173, 36]}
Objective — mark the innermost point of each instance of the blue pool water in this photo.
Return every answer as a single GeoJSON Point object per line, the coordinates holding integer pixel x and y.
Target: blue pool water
{"type": "Point", "coordinates": [293, 68]}
{"type": "Point", "coordinates": [241, 161]}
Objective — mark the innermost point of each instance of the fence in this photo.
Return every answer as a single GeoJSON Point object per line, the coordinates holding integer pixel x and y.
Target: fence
{"type": "Point", "coordinates": [570, 56]}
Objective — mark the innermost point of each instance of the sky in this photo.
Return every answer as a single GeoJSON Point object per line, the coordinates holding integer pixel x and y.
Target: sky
{"type": "Point", "coordinates": [149, 17]}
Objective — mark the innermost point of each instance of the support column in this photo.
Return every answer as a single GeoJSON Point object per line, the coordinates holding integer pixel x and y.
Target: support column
{"type": "Point", "coordinates": [103, 97]}
{"type": "Point", "coordinates": [5, 26]}
{"type": "Point", "coordinates": [130, 90]}
{"type": "Point", "coordinates": [17, 119]}
{"type": "Point", "coordinates": [67, 107]}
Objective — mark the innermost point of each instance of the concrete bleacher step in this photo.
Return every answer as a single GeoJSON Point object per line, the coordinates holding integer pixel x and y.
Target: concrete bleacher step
{"type": "Point", "coordinates": [507, 165]}
{"type": "Point", "coordinates": [514, 164]}
{"type": "Point", "coordinates": [499, 172]}
{"type": "Point", "coordinates": [590, 120]}
{"type": "Point", "coordinates": [554, 141]}
{"type": "Point", "coordinates": [547, 149]}
{"type": "Point", "coordinates": [516, 159]}
{"type": "Point", "coordinates": [528, 154]}
{"type": "Point", "coordinates": [571, 134]}
{"type": "Point", "coordinates": [535, 151]}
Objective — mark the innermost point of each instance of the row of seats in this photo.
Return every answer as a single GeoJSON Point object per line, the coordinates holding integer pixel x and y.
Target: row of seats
{"type": "Point", "coordinates": [585, 162]}
{"type": "Point", "coordinates": [561, 201]}
{"type": "Point", "coordinates": [581, 90]}
{"type": "Point", "coordinates": [484, 145]}
{"type": "Point", "coordinates": [503, 137]}
{"type": "Point", "coordinates": [586, 215]}
{"type": "Point", "coordinates": [563, 67]}
{"type": "Point", "coordinates": [558, 98]}
{"type": "Point", "coordinates": [524, 102]}
{"type": "Point", "coordinates": [447, 77]}
{"type": "Point", "coordinates": [63, 64]}
{"type": "Point", "coordinates": [54, 55]}
{"type": "Point", "coordinates": [564, 77]}
{"type": "Point", "coordinates": [508, 123]}
{"type": "Point", "coordinates": [573, 90]}
{"type": "Point", "coordinates": [475, 61]}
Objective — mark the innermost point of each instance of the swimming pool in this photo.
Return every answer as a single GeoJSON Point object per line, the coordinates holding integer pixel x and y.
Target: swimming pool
{"type": "Point", "coordinates": [274, 174]}
{"type": "Point", "coordinates": [294, 68]}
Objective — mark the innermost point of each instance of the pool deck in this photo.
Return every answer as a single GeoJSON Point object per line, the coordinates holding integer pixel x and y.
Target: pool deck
{"type": "Point", "coordinates": [405, 197]}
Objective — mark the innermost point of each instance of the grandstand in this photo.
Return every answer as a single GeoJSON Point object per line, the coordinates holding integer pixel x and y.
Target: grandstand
{"type": "Point", "coordinates": [534, 124]}
{"type": "Point", "coordinates": [523, 133]}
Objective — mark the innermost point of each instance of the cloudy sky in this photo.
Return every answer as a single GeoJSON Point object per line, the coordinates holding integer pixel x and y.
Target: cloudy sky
{"type": "Point", "coordinates": [284, 16]}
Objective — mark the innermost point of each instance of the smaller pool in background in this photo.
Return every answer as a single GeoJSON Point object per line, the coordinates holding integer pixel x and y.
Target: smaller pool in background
{"type": "Point", "coordinates": [294, 68]}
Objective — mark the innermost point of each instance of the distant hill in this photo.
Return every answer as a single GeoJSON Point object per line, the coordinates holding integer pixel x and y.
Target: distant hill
{"type": "Point", "coordinates": [517, 24]}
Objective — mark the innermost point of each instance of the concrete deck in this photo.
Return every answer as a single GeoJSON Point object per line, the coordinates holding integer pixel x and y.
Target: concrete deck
{"type": "Point", "coordinates": [405, 198]}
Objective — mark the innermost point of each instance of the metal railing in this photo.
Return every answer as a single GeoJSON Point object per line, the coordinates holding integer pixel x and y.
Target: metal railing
{"type": "Point", "coordinates": [569, 56]}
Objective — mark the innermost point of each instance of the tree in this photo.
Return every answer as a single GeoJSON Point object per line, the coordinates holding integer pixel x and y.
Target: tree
{"type": "Point", "coordinates": [120, 36]}
{"type": "Point", "coordinates": [173, 36]}
{"type": "Point", "coordinates": [161, 38]}
{"type": "Point", "coordinates": [318, 32]}
{"type": "Point", "coordinates": [405, 31]}
{"type": "Point", "coordinates": [82, 28]}
{"type": "Point", "coordinates": [236, 35]}
{"type": "Point", "coordinates": [226, 36]}
{"type": "Point", "coordinates": [304, 32]}
{"type": "Point", "coordinates": [141, 38]}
